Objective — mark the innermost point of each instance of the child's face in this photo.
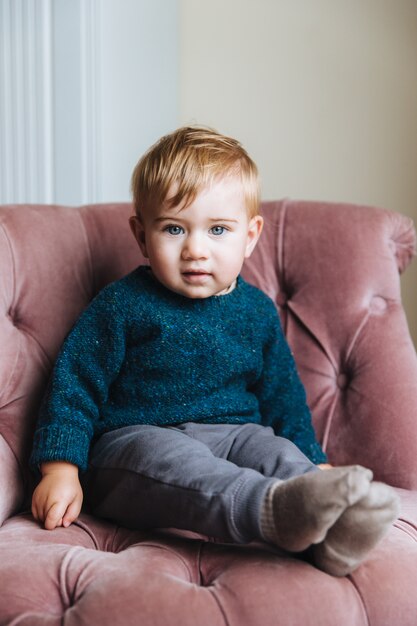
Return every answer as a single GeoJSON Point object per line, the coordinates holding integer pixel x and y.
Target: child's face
{"type": "Point", "coordinates": [198, 251]}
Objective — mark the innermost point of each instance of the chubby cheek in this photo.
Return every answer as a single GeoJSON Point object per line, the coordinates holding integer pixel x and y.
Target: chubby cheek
{"type": "Point", "coordinates": [162, 254]}
{"type": "Point", "coordinates": [228, 267]}
{"type": "Point", "coordinates": [232, 257]}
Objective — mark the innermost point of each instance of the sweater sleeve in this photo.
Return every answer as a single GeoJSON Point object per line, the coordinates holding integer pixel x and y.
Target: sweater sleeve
{"type": "Point", "coordinates": [89, 361]}
{"type": "Point", "coordinates": [281, 395]}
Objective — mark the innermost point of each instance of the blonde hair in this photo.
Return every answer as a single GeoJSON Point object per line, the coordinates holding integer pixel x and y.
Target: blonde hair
{"type": "Point", "coordinates": [185, 162]}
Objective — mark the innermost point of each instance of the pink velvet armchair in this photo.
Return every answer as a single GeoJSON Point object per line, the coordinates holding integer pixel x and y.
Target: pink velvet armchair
{"type": "Point", "coordinates": [333, 271]}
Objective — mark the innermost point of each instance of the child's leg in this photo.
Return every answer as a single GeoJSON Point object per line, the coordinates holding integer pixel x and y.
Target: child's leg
{"type": "Point", "coordinates": [366, 509]}
{"type": "Point", "coordinates": [150, 477]}
{"type": "Point", "coordinates": [254, 446]}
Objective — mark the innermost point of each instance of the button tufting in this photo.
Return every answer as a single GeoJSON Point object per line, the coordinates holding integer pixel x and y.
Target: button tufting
{"type": "Point", "coordinates": [378, 305]}
{"type": "Point", "coordinates": [282, 299]}
{"type": "Point", "coordinates": [342, 381]}
{"type": "Point", "coordinates": [13, 318]}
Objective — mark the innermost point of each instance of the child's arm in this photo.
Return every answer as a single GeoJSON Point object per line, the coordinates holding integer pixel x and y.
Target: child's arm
{"type": "Point", "coordinates": [88, 363]}
{"type": "Point", "coordinates": [58, 498]}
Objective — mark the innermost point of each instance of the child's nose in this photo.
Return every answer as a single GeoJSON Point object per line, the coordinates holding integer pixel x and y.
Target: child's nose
{"type": "Point", "coordinates": [195, 247]}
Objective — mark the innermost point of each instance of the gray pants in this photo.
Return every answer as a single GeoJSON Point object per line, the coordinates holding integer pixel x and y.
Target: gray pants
{"type": "Point", "coordinates": [207, 478]}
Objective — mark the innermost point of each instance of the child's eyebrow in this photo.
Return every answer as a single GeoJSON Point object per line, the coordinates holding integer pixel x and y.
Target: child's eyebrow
{"type": "Point", "coordinates": [163, 218]}
{"type": "Point", "coordinates": [222, 219]}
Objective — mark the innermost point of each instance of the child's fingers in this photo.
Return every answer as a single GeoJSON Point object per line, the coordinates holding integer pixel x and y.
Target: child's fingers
{"type": "Point", "coordinates": [71, 514]}
{"type": "Point", "coordinates": [38, 508]}
{"type": "Point", "coordinates": [54, 515]}
{"type": "Point", "coordinates": [34, 509]}
{"type": "Point", "coordinates": [35, 512]}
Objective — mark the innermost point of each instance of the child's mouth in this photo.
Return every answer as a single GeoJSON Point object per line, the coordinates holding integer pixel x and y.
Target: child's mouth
{"type": "Point", "coordinates": [196, 276]}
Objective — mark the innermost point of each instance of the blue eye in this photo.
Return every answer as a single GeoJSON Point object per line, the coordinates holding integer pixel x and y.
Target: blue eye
{"type": "Point", "coordinates": [174, 230]}
{"type": "Point", "coordinates": [217, 230]}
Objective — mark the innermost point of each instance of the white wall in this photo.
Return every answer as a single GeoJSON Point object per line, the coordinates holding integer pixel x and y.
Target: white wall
{"type": "Point", "coordinates": [85, 87]}
{"type": "Point", "coordinates": [26, 120]}
{"type": "Point", "coordinates": [116, 91]}
{"type": "Point", "coordinates": [323, 93]}
{"type": "Point", "coordinates": [139, 85]}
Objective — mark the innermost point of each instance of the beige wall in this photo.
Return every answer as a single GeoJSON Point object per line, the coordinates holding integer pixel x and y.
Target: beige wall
{"type": "Point", "coordinates": [323, 93]}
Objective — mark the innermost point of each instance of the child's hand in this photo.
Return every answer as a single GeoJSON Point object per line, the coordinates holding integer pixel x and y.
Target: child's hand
{"type": "Point", "coordinates": [58, 498]}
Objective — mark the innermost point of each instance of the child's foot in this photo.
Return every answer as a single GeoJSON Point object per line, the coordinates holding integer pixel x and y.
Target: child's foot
{"type": "Point", "coordinates": [298, 512]}
{"type": "Point", "coordinates": [357, 531]}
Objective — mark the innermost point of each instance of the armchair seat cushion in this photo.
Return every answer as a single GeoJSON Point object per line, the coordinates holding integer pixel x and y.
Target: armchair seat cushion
{"type": "Point", "coordinates": [97, 573]}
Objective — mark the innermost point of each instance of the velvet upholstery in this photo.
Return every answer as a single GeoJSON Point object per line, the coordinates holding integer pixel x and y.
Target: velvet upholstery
{"type": "Point", "coordinates": [333, 271]}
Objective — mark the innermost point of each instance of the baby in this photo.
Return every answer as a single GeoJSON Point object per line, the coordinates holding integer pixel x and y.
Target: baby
{"type": "Point", "coordinates": [175, 400]}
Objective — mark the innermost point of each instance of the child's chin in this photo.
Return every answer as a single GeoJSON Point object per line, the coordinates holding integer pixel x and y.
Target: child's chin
{"type": "Point", "coordinates": [197, 292]}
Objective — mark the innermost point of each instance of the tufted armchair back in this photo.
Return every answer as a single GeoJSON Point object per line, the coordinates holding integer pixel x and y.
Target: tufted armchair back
{"type": "Point", "coordinates": [333, 271]}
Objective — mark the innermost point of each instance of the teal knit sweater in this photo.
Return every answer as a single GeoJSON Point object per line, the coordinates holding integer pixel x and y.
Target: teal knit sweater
{"type": "Point", "coordinates": [142, 354]}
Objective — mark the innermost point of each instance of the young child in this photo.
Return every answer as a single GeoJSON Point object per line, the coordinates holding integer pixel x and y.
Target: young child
{"type": "Point", "coordinates": [176, 396]}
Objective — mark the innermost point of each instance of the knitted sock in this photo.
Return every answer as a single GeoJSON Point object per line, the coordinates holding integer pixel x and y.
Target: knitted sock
{"type": "Point", "coordinates": [298, 512]}
{"type": "Point", "coordinates": [357, 531]}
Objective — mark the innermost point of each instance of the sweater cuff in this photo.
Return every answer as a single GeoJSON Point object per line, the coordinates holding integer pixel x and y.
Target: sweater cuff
{"type": "Point", "coordinates": [60, 443]}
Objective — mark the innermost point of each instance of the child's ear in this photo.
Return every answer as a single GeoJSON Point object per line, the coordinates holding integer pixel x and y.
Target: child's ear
{"type": "Point", "coordinates": [254, 232]}
{"type": "Point", "coordinates": [138, 231]}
